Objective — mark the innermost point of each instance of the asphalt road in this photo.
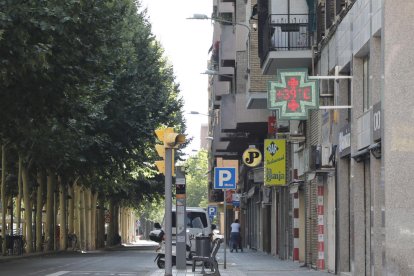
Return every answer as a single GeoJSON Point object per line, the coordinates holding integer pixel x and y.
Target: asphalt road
{"type": "Point", "coordinates": [100, 263]}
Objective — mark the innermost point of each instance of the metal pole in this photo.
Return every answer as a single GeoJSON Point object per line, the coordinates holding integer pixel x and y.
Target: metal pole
{"type": "Point", "coordinates": [168, 210]}
{"type": "Point", "coordinates": [181, 234]}
{"type": "Point", "coordinates": [225, 228]}
{"type": "Point", "coordinates": [54, 220]}
{"type": "Point", "coordinates": [11, 224]}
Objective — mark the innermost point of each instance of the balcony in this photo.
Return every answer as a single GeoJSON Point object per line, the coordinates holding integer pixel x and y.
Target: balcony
{"type": "Point", "coordinates": [221, 88]}
{"type": "Point", "coordinates": [237, 126]}
{"type": "Point", "coordinates": [284, 42]}
{"type": "Point", "coordinates": [224, 6]}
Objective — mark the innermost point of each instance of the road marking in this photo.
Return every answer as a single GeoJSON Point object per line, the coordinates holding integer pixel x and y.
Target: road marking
{"type": "Point", "coordinates": [58, 273]}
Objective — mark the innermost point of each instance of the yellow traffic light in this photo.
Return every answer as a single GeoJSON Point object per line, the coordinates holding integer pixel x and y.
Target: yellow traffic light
{"type": "Point", "coordinates": [160, 166]}
{"type": "Point", "coordinates": [170, 139]}
{"type": "Point", "coordinates": [161, 163]}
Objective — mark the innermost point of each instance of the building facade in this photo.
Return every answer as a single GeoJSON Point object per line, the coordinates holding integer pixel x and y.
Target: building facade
{"type": "Point", "coordinates": [346, 204]}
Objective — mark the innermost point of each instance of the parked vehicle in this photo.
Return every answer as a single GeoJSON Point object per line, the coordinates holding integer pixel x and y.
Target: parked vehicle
{"type": "Point", "coordinates": [197, 224]}
{"type": "Point", "coordinates": [158, 235]}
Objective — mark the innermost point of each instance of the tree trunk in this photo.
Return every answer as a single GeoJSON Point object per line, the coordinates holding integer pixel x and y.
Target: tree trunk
{"type": "Point", "coordinates": [76, 217]}
{"type": "Point", "coordinates": [111, 227]}
{"type": "Point", "coordinates": [3, 198]}
{"type": "Point", "coordinates": [82, 219]}
{"type": "Point", "coordinates": [71, 208]}
{"type": "Point", "coordinates": [123, 223]}
{"type": "Point", "coordinates": [116, 223]}
{"type": "Point", "coordinates": [28, 209]}
{"type": "Point", "coordinates": [10, 211]}
{"type": "Point", "coordinates": [87, 220]}
{"type": "Point", "coordinates": [55, 215]}
{"type": "Point", "coordinates": [63, 211]}
{"type": "Point", "coordinates": [41, 180]}
{"type": "Point", "coordinates": [19, 197]}
{"type": "Point", "coordinates": [50, 210]}
{"type": "Point", "coordinates": [93, 220]}
{"type": "Point", "coordinates": [101, 222]}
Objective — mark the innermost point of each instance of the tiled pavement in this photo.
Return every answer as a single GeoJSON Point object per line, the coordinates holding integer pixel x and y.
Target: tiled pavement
{"type": "Point", "coordinates": [250, 263]}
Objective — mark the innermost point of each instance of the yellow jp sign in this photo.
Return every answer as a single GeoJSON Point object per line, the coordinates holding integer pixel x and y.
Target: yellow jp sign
{"type": "Point", "coordinates": [252, 157]}
{"type": "Point", "coordinates": [274, 162]}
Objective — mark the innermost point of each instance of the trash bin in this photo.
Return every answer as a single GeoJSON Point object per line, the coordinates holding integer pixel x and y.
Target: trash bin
{"type": "Point", "coordinates": [203, 246]}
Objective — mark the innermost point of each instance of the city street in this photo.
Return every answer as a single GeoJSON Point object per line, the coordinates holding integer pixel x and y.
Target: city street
{"type": "Point", "coordinates": [114, 262]}
{"type": "Point", "coordinates": [138, 259]}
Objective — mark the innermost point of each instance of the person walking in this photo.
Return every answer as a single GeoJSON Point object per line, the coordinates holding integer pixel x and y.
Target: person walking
{"type": "Point", "coordinates": [235, 235]}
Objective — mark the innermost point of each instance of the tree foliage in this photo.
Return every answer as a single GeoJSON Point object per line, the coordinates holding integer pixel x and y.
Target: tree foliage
{"type": "Point", "coordinates": [196, 179]}
{"type": "Point", "coordinates": [83, 86]}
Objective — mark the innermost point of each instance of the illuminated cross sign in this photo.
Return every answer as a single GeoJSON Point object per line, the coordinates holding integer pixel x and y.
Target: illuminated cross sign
{"type": "Point", "coordinates": [293, 94]}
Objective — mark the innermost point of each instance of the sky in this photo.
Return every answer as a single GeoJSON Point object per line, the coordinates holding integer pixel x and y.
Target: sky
{"type": "Point", "coordinates": [186, 44]}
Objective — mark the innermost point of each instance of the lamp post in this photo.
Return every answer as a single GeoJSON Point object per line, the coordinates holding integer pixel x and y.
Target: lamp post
{"type": "Point", "coordinates": [198, 113]}
{"type": "Point", "coordinates": [216, 73]}
{"type": "Point", "coordinates": [198, 16]}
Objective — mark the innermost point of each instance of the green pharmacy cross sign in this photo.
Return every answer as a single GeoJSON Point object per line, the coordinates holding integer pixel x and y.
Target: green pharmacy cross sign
{"type": "Point", "coordinates": [293, 94]}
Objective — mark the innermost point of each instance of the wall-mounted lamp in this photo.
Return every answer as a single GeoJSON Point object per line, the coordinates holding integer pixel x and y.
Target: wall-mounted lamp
{"type": "Point", "coordinates": [216, 73]}
{"type": "Point", "coordinates": [376, 150]}
{"type": "Point", "coordinates": [217, 19]}
{"type": "Point", "coordinates": [198, 113]}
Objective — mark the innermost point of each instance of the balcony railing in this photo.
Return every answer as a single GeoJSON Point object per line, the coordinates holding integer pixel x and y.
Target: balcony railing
{"type": "Point", "coordinates": [285, 32]}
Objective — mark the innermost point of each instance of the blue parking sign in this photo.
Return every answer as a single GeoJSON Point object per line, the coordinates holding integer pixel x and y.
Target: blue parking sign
{"type": "Point", "coordinates": [212, 211]}
{"type": "Point", "coordinates": [224, 178]}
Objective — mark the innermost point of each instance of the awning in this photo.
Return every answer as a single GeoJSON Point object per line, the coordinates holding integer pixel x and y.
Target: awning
{"type": "Point", "coordinates": [294, 189]}
{"type": "Point", "coordinates": [376, 150]}
{"type": "Point", "coordinates": [294, 185]}
{"type": "Point", "coordinates": [360, 155]}
{"type": "Point", "coordinates": [251, 191]}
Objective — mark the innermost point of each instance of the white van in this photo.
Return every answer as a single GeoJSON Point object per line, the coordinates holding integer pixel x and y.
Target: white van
{"type": "Point", "coordinates": [197, 221]}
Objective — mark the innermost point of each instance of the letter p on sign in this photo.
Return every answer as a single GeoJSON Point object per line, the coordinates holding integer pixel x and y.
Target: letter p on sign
{"type": "Point", "coordinates": [224, 178]}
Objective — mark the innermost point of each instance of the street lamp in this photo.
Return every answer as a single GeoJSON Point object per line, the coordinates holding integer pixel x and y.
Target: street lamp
{"type": "Point", "coordinates": [216, 73]}
{"type": "Point", "coordinates": [217, 19]}
{"type": "Point", "coordinates": [198, 113]}
{"type": "Point", "coordinates": [210, 72]}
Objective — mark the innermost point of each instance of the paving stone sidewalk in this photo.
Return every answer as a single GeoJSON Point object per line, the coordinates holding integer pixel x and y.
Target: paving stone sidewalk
{"type": "Point", "coordinates": [250, 263]}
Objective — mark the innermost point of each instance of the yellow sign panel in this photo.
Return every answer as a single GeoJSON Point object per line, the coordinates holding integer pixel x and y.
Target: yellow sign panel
{"type": "Point", "coordinates": [274, 162]}
{"type": "Point", "coordinates": [252, 157]}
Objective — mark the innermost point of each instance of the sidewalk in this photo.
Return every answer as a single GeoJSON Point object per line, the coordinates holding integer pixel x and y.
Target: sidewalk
{"type": "Point", "coordinates": [250, 263]}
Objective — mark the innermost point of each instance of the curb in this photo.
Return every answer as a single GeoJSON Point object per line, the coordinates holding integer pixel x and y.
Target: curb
{"type": "Point", "coordinates": [31, 255]}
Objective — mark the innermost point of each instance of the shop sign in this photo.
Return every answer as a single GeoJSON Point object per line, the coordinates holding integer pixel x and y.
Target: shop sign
{"type": "Point", "coordinates": [236, 200]}
{"type": "Point", "coordinates": [271, 125]}
{"type": "Point", "coordinates": [274, 162]}
{"type": "Point", "coordinates": [345, 141]}
{"type": "Point", "coordinates": [252, 157]}
{"type": "Point", "coordinates": [376, 122]}
{"type": "Point", "coordinates": [292, 94]}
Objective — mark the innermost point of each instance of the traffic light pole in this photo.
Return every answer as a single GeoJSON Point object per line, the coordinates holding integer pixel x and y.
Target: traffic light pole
{"type": "Point", "coordinates": [225, 228]}
{"type": "Point", "coordinates": [171, 140]}
{"type": "Point", "coordinates": [181, 234]}
{"type": "Point", "coordinates": [168, 211]}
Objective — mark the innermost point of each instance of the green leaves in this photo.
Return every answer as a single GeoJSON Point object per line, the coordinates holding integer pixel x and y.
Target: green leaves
{"type": "Point", "coordinates": [83, 86]}
{"type": "Point", "coordinates": [196, 177]}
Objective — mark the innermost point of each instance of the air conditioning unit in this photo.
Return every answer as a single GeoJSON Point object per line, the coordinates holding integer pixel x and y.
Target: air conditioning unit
{"type": "Point", "coordinates": [296, 128]}
{"type": "Point", "coordinates": [309, 159]}
{"type": "Point", "coordinates": [266, 197]}
{"type": "Point", "coordinates": [326, 150]}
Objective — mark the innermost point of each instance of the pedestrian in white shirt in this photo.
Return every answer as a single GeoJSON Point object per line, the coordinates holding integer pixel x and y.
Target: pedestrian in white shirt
{"type": "Point", "coordinates": [234, 235]}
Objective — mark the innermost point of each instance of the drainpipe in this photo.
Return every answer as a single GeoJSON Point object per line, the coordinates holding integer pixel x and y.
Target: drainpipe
{"type": "Point", "coordinates": [336, 220]}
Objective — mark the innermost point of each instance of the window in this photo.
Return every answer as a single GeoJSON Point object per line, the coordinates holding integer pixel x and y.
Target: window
{"type": "Point", "coordinates": [193, 219]}
{"type": "Point", "coordinates": [366, 92]}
